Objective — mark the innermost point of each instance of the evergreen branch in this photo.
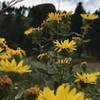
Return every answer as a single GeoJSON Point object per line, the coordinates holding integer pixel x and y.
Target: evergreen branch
{"type": "Point", "coordinates": [10, 4]}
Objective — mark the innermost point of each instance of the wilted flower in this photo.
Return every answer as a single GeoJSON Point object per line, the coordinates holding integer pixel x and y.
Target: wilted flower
{"type": "Point", "coordinates": [18, 52]}
{"type": "Point", "coordinates": [33, 91]}
{"type": "Point", "coordinates": [10, 51]}
{"type": "Point", "coordinates": [5, 81]}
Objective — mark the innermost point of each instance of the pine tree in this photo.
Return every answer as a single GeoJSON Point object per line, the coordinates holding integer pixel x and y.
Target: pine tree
{"type": "Point", "coordinates": [76, 22]}
{"type": "Point", "coordinates": [94, 35]}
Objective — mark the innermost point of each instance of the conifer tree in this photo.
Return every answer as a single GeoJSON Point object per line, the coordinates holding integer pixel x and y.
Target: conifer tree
{"type": "Point", "coordinates": [76, 19]}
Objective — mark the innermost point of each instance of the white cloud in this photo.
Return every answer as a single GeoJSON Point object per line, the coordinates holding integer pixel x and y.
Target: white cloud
{"type": "Point", "coordinates": [92, 6]}
{"type": "Point", "coordinates": [89, 5]}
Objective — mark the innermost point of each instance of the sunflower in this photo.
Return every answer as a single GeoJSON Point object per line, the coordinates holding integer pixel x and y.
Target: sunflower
{"type": "Point", "coordinates": [90, 78]}
{"type": "Point", "coordinates": [7, 66]}
{"type": "Point", "coordinates": [54, 17]}
{"type": "Point", "coordinates": [62, 93]}
{"type": "Point", "coordinates": [89, 16]}
{"type": "Point", "coordinates": [66, 44]}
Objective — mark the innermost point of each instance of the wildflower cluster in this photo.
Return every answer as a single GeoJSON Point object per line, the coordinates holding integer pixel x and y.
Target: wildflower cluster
{"type": "Point", "coordinates": [58, 47]}
{"type": "Point", "coordinates": [52, 68]}
{"type": "Point", "coordinates": [11, 64]}
{"type": "Point", "coordinates": [6, 52]}
{"type": "Point", "coordinates": [57, 16]}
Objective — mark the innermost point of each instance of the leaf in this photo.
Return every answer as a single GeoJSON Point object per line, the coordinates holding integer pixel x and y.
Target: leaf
{"type": "Point", "coordinates": [45, 71]}
{"type": "Point", "coordinates": [19, 95]}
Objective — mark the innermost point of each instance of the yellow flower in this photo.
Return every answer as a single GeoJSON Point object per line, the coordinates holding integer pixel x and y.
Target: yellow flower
{"type": "Point", "coordinates": [19, 52]}
{"type": "Point", "coordinates": [64, 14]}
{"type": "Point", "coordinates": [76, 38]}
{"type": "Point", "coordinates": [90, 78]}
{"type": "Point", "coordinates": [64, 92]}
{"type": "Point", "coordinates": [64, 61]}
{"type": "Point", "coordinates": [3, 45]}
{"type": "Point", "coordinates": [1, 49]}
{"type": "Point", "coordinates": [38, 29]}
{"type": "Point", "coordinates": [4, 55]}
{"type": "Point", "coordinates": [2, 41]}
{"type": "Point", "coordinates": [41, 56]}
{"type": "Point", "coordinates": [10, 51]}
{"type": "Point", "coordinates": [54, 17]}
{"type": "Point", "coordinates": [57, 16]}
{"type": "Point", "coordinates": [7, 66]}
{"type": "Point", "coordinates": [43, 24]}
{"type": "Point", "coordinates": [33, 90]}
{"type": "Point", "coordinates": [89, 16]}
{"type": "Point", "coordinates": [29, 31]}
{"type": "Point", "coordinates": [66, 44]}
{"type": "Point", "coordinates": [5, 81]}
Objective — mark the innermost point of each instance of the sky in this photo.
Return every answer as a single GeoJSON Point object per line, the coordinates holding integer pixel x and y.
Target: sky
{"type": "Point", "coordinates": [89, 5]}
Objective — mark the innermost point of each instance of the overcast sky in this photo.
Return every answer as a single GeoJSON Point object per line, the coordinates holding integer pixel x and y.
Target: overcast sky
{"type": "Point", "coordinates": [89, 5]}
